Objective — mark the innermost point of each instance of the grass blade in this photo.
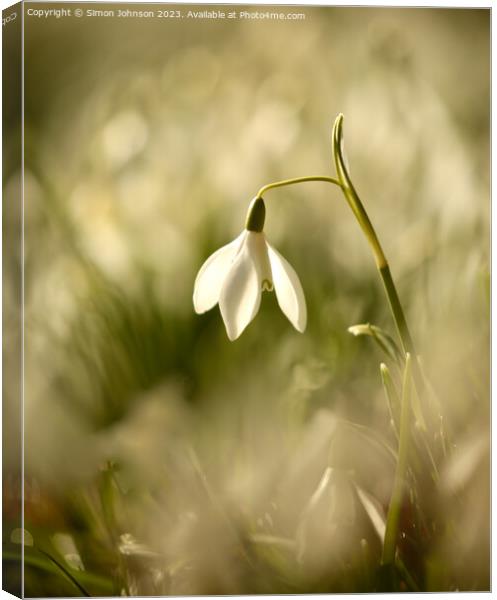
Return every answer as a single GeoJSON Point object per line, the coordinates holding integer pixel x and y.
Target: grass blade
{"type": "Point", "coordinates": [393, 517]}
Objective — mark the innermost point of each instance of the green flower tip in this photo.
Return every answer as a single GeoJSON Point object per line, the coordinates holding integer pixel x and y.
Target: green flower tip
{"type": "Point", "coordinates": [337, 135]}
{"type": "Point", "coordinates": [256, 215]}
{"type": "Point", "coordinates": [337, 125]}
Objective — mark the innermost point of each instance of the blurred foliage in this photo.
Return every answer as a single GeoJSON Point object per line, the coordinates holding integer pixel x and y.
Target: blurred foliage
{"type": "Point", "coordinates": [172, 461]}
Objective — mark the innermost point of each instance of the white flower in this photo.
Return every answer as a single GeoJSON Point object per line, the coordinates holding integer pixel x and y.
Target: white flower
{"type": "Point", "coordinates": [235, 276]}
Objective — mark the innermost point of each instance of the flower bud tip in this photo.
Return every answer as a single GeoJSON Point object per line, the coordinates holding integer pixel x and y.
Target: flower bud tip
{"type": "Point", "coordinates": [256, 215]}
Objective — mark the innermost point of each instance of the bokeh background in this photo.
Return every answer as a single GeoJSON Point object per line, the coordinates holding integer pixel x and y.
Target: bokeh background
{"type": "Point", "coordinates": [162, 458]}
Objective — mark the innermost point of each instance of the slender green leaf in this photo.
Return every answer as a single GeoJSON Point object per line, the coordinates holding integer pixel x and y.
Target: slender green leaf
{"type": "Point", "coordinates": [392, 396]}
{"type": "Point", "coordinates": [393, 518]}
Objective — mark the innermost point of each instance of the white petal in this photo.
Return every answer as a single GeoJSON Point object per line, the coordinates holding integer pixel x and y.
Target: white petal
{"type": "Point", "coordinates": [240, 295]}
{"type": "Point", "coordinates": [212, 274]}
{"type": "Point", "coordinates": [257, 247]}
{"type": "Point", "coordinates": [288, 290]}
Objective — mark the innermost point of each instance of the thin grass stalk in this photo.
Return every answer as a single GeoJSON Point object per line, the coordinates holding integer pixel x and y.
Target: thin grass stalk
{"type": "Point", "coordinates": [393, 516]}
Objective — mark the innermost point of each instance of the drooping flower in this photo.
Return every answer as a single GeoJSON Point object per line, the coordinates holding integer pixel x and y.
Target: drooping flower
{"type": "Point", "coordinates": [236, 275]}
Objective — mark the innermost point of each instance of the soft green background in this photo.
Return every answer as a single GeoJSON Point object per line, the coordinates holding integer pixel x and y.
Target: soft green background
{"type": "Point", "coordinates": [145, 141]}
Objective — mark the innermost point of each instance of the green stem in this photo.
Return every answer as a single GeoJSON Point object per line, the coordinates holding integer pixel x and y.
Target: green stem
{"type": "Point", "coordinates": [295, 180]}
{"type": "Point", "coordinates": [401, 324]}
{"type": "Point", "coordinates": [392, 397]}
{"type": "Point", "coordinates": [381, 262]}
{"type": "Point", "coordinates": [352, 197]}
{"type": "Point", "coordinates": [345, 183]}
{"type": "Point", "coordinates": [393, 517]}
{"type": "Point", "coordinates": [397, 311]}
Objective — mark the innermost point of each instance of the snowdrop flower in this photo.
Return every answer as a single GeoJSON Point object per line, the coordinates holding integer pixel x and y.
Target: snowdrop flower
{"type": "Point", "coordinates": [236, 275]}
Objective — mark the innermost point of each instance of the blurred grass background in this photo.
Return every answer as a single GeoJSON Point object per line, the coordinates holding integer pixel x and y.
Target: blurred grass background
{"type": "Point", "coordinates": [160, 457]}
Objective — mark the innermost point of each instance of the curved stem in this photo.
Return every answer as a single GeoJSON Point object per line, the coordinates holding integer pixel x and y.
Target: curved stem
{"type": "Point", "coordinates": [366, 225]}
{"type": "Point", "coordinates": [353, 198]}
{"type": "Point", "coordinates": [364, 221]}
{"type": "Point", "coordinates": [360, 212]}
{"type": "Point", "coordinates": [345, 184]}
{"type": "Point", "coordinates": [295, 180]}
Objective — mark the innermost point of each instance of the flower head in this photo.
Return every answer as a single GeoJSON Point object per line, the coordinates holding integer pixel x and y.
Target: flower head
{"type": "Point", "coordinates": [236, 275]}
